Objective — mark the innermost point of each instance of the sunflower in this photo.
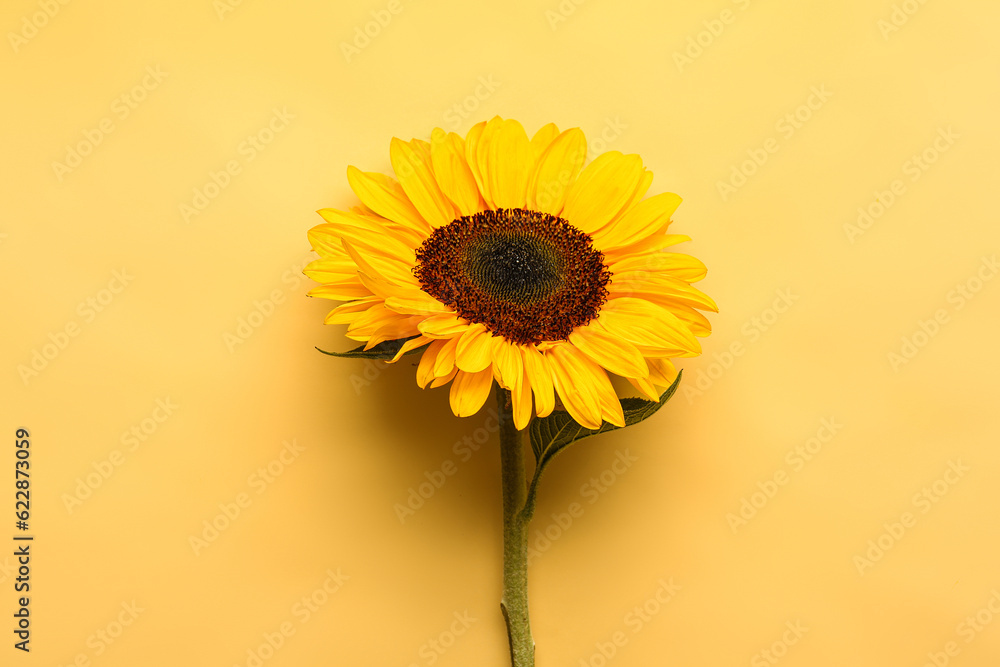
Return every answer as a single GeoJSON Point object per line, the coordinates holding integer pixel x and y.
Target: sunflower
{"type": "Point", "coordinates": [506, 260]}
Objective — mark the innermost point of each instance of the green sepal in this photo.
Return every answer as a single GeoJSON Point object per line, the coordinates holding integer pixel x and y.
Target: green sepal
{"type": "Point", "coordinates": [550, 435]}
{"type": "Point", "coordinates": [384, 351]}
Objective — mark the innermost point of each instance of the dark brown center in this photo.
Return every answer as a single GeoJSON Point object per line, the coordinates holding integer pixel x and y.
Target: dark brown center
{"type": "Point", "coordinates": [528, 276]}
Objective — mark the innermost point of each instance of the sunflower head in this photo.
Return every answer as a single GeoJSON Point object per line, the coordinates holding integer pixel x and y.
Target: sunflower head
{"type": "Point", "coordinates": [502, 258]}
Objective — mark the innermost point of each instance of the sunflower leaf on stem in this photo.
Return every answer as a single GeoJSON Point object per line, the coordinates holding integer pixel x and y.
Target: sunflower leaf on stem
{"type": "Point", "coordinates": [384, 351]}
{"type": "Point", "coordinates": [550, 435]}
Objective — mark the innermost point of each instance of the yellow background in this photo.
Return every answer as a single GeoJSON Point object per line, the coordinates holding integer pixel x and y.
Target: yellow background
{"type": "Point", "coordinates": [366, 440]}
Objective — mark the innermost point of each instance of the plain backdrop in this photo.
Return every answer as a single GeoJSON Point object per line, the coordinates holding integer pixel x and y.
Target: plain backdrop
{"type": "Point", "coordinates": [206, 486]}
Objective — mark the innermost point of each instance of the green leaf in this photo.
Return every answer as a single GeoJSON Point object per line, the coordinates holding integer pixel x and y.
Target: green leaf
{"type": "Point", "coordinates": [550, 435]}
{"type": "Point", "coordinates": [384, 351]}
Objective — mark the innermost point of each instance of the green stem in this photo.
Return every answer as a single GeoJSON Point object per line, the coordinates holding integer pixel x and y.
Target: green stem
{"type": "Point", "coordinates": [529, 503]}
{"type": "Point", "coordinates": [514, 603]}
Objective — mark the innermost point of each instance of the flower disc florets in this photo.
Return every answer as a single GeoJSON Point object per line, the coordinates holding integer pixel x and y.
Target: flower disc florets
{"type": "Point", "coordinates": [528, 276]}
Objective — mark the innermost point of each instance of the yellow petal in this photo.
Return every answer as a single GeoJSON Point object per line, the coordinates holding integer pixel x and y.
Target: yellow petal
{"type": "Point", "coordinates": [638, 194]}
{"type": "Point", "coordinates": [401, 326]}
{"type": "Point", "coordinates": [331, 269]}
{"type": "Point", "coordinates": [475, 349]}
{"type": "Point", "coordinates": [425, 369]}
{"type": "Point", "coordinates": [403, 298]}
{"type": "Point", "coordinates": [473, 139]}
{"type": "Point", "coordinates": [469, 391]}
{"type": "Point", "coordinates": [542, 139]}
{"type": "Point", "coordinates": [695, 321]}
{"type": "Point", "coordinates": [659, 287]}
{"type": "Point", "coordinates": [445, 379]}
{"type": "Point", "coordinates": [361, 209]}
{"type": "Point", "coordinates": [645, 387]}
{"type": "Point", "coordinates": [411, 344]}
{"type": "Point", "coordinates": [378, 324]}
{"type": "Point", "coordinates": [507, 360]}
{"type": "Point", "coordinates": [408, 235]}
{"type": "Point", "coordinates": [326, 242]}
{"type": "Point", "coordinates": [346, 313]}
{"type": "Point", "coordinates": [609, 351]}
{"type": "Point", "coordinates": [644, 323]}
{"type": "Point", "coordinates": [371, 319]}
{"type": "Point", "coordinates": [683, 267]}
{"type": "Point", "coordinates": [649, 216]}
{"type": "Point", "coordinates": [653, 243]}
{"type": "Point", "coordinates": [520, 398]}
{"type": "Point", "coordinates": [418, 182]}
{"type": "Point", "coordinates": [383, 288]}
{"type": "Point", "coordinates": [381, 267]}
{"type": "Point", "coordinates": [411, 238]}
{"type": "Point", "coordinates": [575, 385]}
{"type": "Point", "coordinates": [663, 353]}
{"type": "Point", "coordinates": [611, 406]}
{"type": "Point", "coordinates": [509, 164]}
{"type": "Point", "coordinates": [443, 325]}
{"type": "Point", "coordinates": [386, 197]}
{"type": "Point", "coordinates": [555, 171]}
{"type": "Point", "coordinates": [452, 172]}
{"type": "Point", "coordinates": [445, 361]}
{"type": "Point", "coordinates": [364, 232]}
{"type": "Point", "coordinates": [603, 189]}
{"type": "Point", "coordinates": [484, 157]}
{"type": "Point", "coordinates": [536, 369]}
{"type": "Point", "coordinates": [662, 372]}
{"type": "Point", "coordinates": [416, 303]}
{"type": "Point", "coordinates": [346, 290]}
{"type": "Point", "coordinates": [596, 381]}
